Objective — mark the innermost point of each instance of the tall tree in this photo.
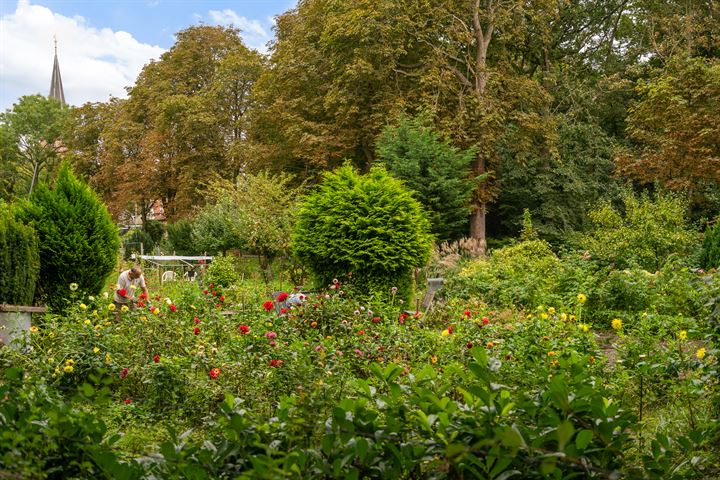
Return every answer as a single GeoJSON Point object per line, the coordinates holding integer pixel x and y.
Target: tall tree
{"type": "Point", "coordinates": [31, 143]}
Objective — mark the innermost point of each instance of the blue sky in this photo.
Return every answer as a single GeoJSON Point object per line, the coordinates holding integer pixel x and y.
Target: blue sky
{"type": "Point", "coordinates": [103, 44]}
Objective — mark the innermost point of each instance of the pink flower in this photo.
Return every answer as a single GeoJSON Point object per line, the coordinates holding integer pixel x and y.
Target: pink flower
{"type": "Point", "coordinates": [196, 320]}
{"type": "Point", "coordinates": [359, 352]}
{"type": "Point", "coordinates": [318, 348]}
{"type": "Point", "coordinates": [270, 334]}
{"type": "Point", "coordinates": [124, 372]}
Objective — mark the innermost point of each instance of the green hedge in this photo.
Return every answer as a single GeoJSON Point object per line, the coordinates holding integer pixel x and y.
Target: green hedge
{"type": "Point", "coordinates": [19, 260]}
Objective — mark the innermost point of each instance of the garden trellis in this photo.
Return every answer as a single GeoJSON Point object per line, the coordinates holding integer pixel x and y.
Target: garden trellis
{"type": "Point", "coordinates": [170, 263]}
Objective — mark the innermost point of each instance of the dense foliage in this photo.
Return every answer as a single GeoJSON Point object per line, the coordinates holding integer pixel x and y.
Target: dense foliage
{"type": "Point", "coordinates": [368, 227]}
{"type": "Point", "coordinates": [78, 240]}
{"type": "Point", "coordinates": [19, 259]}
{"type": "Point", "coordinates": [436, 172]}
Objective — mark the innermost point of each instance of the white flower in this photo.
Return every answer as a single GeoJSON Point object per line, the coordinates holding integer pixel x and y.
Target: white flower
{"type": "Point", "coordinates": [91, 298]}
{"type": "Point", "coordinates": [168, 301]}
{"type": "Point", "coordinates": [105, 294]}
{"type": "Point", "coordinates": [73, 286]}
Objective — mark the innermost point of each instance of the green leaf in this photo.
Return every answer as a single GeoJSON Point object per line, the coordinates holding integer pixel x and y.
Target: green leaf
{"type": "Point", "coordinates": [583, 439]}
{"type": "Point", "coordinates": [564, 433]}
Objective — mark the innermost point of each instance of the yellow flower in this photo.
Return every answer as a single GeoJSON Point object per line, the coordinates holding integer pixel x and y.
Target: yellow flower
{"type": "Point", "coordinates": [554, 363]}
{"type": "Point", "coordinates": [124, 308]}
{"type": "Point", "coordinates": [70, 361]}
{"type": "Point", "coordinates": [107, 324]}
{"type": "Point", "coordinates": [584, 327]}
{"type": "Point", "coordinates": [490, 345]}
{"type": "Point", "coordinates": [268, 324]}
{"type": "Point", "coordinates": [683, 335]}
{"type": "Point", "coordinates": [57, 371]}
{"type": "Point", "coordinates": [111, 306]}
{"type": "Point", "coordinates": [193, 307]}
{"type": "Point", "coordinates": [572, 318]}
{"type": "Point", "coordinates": [563, 316]}
{"type": "Point", "coordinates": [313, 324]}
{"type": "Point", "coordinates": [107, 358]}
{"type": "Point", "coordinates": [551, 310]}
{"type": "Point", "coordinates": [433, 359]}
{"type": "Point", "coordinates": [96, 349]}
{"type": "Point", "coordinates": [98, 327]}
{"type": "Point", "coordinates": [445, 332]}
{"type": "Point", "coordinates": [51, 334]}
{"type": "Point", "coordinates": [551, 354]}
{"type": "Point", "coordinates": [51, 360]}
{"type": "Point", "coordinates": [581, 298]}
{"type": "Point", "coordinates": [68, 368]}
{"type": "Point", "coordinates": [95, 313]}
{"type": "Point", "coordinates": [544, 316]}
{"type": "Point", "coordinates": [83, 306]}
{"type": "Point", "coordinates": [156, 310]}
{"type": "Point", "coordinates": [700, 354]}
{"type": "Point", "coordinates": [617, 324]}
{"type": "Point", "coordinates": [143, 318]}
{"type": "Point", "coordinates": [87, 322]}
{"type": "Point", "coordinates": [34, 329]}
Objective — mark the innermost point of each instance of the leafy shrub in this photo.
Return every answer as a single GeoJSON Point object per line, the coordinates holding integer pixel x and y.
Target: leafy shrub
{"type": "Point", "coordinates": [131, 242]}
{"type": "Point", "coordinates": [19, 260]}
{"type": "Point", "coordinates": [367, 225]}
{"type": "Point", "coordinates": [524, 274]}
{"type": "Point", "coordinates": [710, 252]}
{"type": "Point", "coordinates": [645, 235]}
{"type": "Point", "coordinates": [179, 238]}
{"type": "Point", "coordinates": [222, 271]}
{"type": "Point", "coordinates": [436, 172]}
{"type": "Point", "coordinates": [78, 239]}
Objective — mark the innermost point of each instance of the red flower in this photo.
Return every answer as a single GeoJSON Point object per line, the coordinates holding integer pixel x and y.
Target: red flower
{"type": "Point", "coordinates": [143, 296]}
{"type": "Point", "coordinates": [196, 320]}
{"type": "Point", "coordinates": [222, 298]}
{"type": "Point", "coordinates": [214, 293]}
{"type": "Point", "coordinates": [157, 297]}
{"type": "Point", "coordinates": [485, 320]}
{"type": "Point", "coordinates": [376, 320]}
{"type": "Point", "coordinates": [173, 308]}
{"type": "Point", "coordinates": [128, 401]}
{"type": "Point", "coordinates": [282, 297]}
{"type": "Point", "coordinates": [450, 329]}
{"type": "Point", "coordinates": [467, 313]}
{"type": "Point", "coordinates": [275, 363]}
{"type": "Point", "coordinates": [122, 292]}
{"type": "Point", "coordinates": [214, 373]}
{"type": "Point", "coordinates": [156, 359]}
{"type": "Point", "coordinates": [124, 373]}
{"type": "Point", "coordinates": [212, 285]}
{"type": "Point", "coordinates": [469, 345]}
{"type": "Point", "coordinates": [244, 329]}
{"type": "Point", "coordinates": [140, 303]}
{"type": "Point", "coordinates": [284, 310]}
{"type": "Point", "coordinates": [268, 306]}
{"type": "Point", "coordinates": [196, 331]}
{"type": "Point", "coordinates": [205, 292]}
{"type": "Point", "coordinates": [361, 332]}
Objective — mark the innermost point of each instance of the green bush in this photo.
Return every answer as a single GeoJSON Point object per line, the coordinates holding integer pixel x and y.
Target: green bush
{"type": "Point", "coordinates": [179, 238]}
{"type": "Point", "coordinates": [646, 234]}
{"type": "Point", "coordinates": [367, 225]}
{"type": "Point", "coordinates": [710, 252]}
{"type": "Point", "coordinates": [19, 260]}
{"type": "Point", "coordinates": [223, 271]}
{"type": "Point", "coordinates": [78, 239]}
{"type": "Point", "coordinates": [131, 242]}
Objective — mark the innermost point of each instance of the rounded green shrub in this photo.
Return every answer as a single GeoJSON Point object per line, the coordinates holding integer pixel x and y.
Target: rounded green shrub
{"type": "Point", "coordinates": [710, 252]}
{"type": "Point", "coordinates": [369, 226]}
{"type": "Point", "coordinates": [19, 260]}
{"type": "Point", "coordinates": [223, 271]}
{"type": "Point", "coordinates": [78, 239]}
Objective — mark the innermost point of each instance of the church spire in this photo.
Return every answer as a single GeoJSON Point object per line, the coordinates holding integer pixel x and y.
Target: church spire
{"type": "Point", "coordinates": [56, 87]}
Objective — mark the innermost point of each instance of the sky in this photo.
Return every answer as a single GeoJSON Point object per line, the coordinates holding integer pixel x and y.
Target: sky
{"type": "Point", "coordinates": [103, 44]}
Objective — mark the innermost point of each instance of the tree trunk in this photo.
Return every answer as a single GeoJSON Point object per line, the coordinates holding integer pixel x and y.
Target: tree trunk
{"type": "Point", "coordinates": [477, 218]}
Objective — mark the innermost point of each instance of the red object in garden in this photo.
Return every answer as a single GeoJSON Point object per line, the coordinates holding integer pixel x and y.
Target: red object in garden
{"type": "Point", "coordinates": [128, 401]}
{"type": "Point", "coordinates": [244, 329]}
{"type": "Point", "coordinates": [485, 320]}
{"type": "Point", "coordinates": [196, 320]}
{"type": "Point", "coordinates": [214, 293]}
{"type": "Point", "coordinates": [467, 313]}
{"type": "Point", "coordinates": [450, 329]}
{"type": "Point", "coordinates": [122, 292]}
{"type": "Point", "coordinates": [143, 296]}
{"type": "Point", "coordinates": [268, 306]}
{"type": "Point", "coordinates": [222, 298]}
{"type": "Point", "coordinates": [376, 320]}
{"type": "Point", "coordinates": [205, 292]}
{"type": "Point", "coordinates": [275, 363]}
{"type": "Point", "coordinates": [156, 359]}
{"type": "Point", "coordinates": [173, 308]}
{"type": "Point", "coordinates": [196, 331]}
{"type": "Point", "coordinates": [214, 373]}
{"type": "Point", "coordinates": [124, 372]}
{"type": "Point", "coordinates": [212, 285]}
{"type": "Point", "coordinates": [282, 297]}
{"type": "Point", "coordinates": [469, 345]}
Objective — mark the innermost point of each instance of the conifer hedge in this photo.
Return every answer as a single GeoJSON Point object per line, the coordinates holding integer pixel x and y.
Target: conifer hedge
{"type": "Point", "coordinates": [368, 225]}
{"type": "Point", "coordinates": [78, 239]}
{"type": "Point", "coordinates": [19, 260]}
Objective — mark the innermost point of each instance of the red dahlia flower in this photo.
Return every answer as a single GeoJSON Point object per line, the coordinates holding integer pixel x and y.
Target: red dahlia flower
{"type": "Point", "coordinates": [282, 297]}
{"type": "Point", "coordinates": [143, 296]}
{"type": "Point", "coordinates": [244, 329]}
{"type": "Point", "coordinates": [275, 363]}
{"type": "Point", "coordinates": [214, 373]}
{"type": "Point", "coordinates": [156, 359]}
{"type": "Point", "coordinates": [485, 321]}
{"type": "Point", "coordinates": [467, 313]}
{"type": "Point", "coordinates": [122, 292]}
{"type": "Point", "coordinates": [268, 306]}
{"type": "Point", "coordinates": [196, 320]}
{"type": "Point", "coordinates": [173, 308]}
{"type": "Point", "coordinates": [196, 331]}
{"type": "Point", "coordinates": [124, 373]}
{"type": "Point", "coordinates": [205, 292]}
{"type": "Point", "coordinates": [222, 298]}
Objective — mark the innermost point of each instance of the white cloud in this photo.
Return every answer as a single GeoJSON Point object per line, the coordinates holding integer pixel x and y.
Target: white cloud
{"type": "Point", "coordinates": [94, 63]}
{"type": "Point", "coordinates": [252, 32]}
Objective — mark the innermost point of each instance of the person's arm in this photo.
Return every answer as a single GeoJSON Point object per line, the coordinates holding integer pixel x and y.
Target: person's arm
{"type": "Point", "coordinates": [144, 287]}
